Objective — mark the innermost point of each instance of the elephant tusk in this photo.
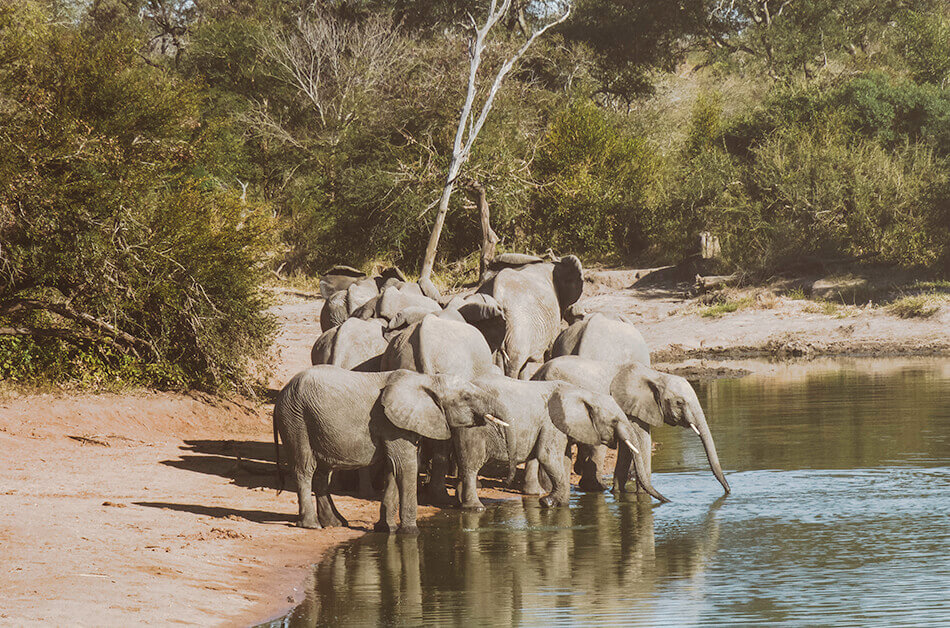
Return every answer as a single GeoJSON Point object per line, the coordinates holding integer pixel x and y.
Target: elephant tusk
{"type": "Point", "coordinates": [496, 420]}
{"type": "Point", "coordinates": [632, 448]}
{"type": "Point", "coordinates": [695, 429]}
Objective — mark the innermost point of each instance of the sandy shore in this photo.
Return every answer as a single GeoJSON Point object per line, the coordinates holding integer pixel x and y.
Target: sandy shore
{"type": "Point", "coordinates": [160, 508]}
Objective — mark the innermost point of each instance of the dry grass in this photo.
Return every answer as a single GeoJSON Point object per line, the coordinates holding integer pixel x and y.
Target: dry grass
{"type": "Point", "coordinates": [916, 306]}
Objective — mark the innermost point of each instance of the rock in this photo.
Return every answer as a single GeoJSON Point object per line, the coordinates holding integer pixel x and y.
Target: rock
{"type": "Point", "coordinates": [845, 289]}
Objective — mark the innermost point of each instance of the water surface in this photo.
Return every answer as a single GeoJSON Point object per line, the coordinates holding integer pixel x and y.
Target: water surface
{"type": "Point", "coordinates": [839, 516]}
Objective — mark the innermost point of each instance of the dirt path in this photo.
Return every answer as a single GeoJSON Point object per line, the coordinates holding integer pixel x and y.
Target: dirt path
{"type": "Point", "coordinates": [162, 509]}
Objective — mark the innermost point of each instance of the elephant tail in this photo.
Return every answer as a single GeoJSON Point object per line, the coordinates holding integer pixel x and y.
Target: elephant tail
{"type": "Point", "coordinates": [280, 470]}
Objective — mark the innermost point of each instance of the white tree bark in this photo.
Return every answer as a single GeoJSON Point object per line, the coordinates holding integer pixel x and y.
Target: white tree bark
{"type": "Point", "coordinates": [468, 129]}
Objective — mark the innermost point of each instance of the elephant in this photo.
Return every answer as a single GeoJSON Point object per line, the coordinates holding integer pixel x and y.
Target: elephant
{"type": "Point", "coordinates": [439, 345]}
{"type": "Point", "coordinates": [541, 416]}
{"type": "Point", "coordinates": [533, 297]}
{"type": "Point", "coordinates": [330, 418]}
{"type": "Point", "coordinates": [341, 304]}
{"type": "Point", "coordinates": [649, 398]}
{"type": "Point", "coordinates": [393, 300]}
{"type": "Point", "coordinates": [356, 345]}
{"type": "Point", "coordinates": [605, 337]}
{"type": "Point", "coordinates": [346, 290]}
{"type": "Point", "coordinates": [339, 278]}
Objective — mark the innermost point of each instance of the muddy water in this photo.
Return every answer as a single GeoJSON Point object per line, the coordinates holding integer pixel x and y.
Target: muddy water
{"type": "Point", "coordinates": [839, 516]}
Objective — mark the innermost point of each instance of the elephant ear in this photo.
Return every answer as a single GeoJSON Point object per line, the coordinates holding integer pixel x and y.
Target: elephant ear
{"type": "Point", "coordinates": [367, 310]}
{"type": "Point", "coordinates": [568, 281]}
{"type": "Point", "coordinates": [484, 313]}
{"type": "Point", "coordinates": [410, 404]}
{"type": "Point", "coordinates": [390, 273]}
{"type": "Point", "coordinates": [580, 417]}
{"type": "Point", "coordinates": [637, 390]}
{"type": "Point", "coordinates": [407, 316]}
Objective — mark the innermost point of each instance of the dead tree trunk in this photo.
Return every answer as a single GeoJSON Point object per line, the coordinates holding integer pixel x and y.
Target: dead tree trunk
{"type": "Point", "coordinates": [489, 238]}
{"type": "Point", "coordinates": [469, 126]}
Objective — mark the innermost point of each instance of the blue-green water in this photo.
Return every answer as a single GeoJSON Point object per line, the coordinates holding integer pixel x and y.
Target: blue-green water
{"type": "Point", "coordinates": [839, 516]}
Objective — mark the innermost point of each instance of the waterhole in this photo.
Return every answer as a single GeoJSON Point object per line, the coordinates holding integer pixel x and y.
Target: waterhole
{"type": "Point", "coordinates": [839, 516]}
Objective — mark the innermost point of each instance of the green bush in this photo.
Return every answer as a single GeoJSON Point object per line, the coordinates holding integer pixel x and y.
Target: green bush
{"type": "Point", "coordinates": [592, 180]}
{"type": "Point", "coordinates": [117, 260]}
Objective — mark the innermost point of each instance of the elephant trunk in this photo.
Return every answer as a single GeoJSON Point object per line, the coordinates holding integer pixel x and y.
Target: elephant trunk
{"type": "Point", "coordinates": [643, 474]}
{"type": "Point", "coordinates": [698, 423]}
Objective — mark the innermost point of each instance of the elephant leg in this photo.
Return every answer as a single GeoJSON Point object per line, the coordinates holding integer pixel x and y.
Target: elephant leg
{"type": "Point", "coordinates": [406, 471]}
{"type": "Point", "coordinates": [327, 513]}
{"type": "Point", "coordinates": [470, 456]}
{"type": "Point", "coordinates": [366, 490]}
{"type": "Point", "coordinates": [592, 468]}
{"type": "Point", "coordinates": [532, 483]}
{"type": "Point", "coordinates": [553, 462]}
{"type": "Point", "coordinates": [436, 493]}
{"type": "Point", "coordinates": [306, 505]}
{"type": "Point", "coordinates": [622, 469]}
{"type": "Point", "coordinates": [387, 505]}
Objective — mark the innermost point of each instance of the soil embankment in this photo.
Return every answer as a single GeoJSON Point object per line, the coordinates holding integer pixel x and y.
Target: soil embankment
{"type": "Point", "coordinates": [161, 508]}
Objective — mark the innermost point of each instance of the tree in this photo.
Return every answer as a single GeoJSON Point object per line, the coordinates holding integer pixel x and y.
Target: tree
{"type": "Point", "coordinates": [469, 127]}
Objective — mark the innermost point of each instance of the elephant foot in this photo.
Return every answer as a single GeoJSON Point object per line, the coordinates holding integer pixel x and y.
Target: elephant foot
{"type": "Point", "coordinates": [549, 501]}
{"type": "Point", "coordinates": [382, 526]}
{"type": "Point", "coordinates": [592, 485]}
{"type": "Point", "coordinates": [309, 523]}
{"type": "Point", "coordinates": [408, 530]}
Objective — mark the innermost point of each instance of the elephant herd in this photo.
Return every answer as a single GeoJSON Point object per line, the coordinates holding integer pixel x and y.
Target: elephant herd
{"type": "Point", "coordinates": [491, 376]}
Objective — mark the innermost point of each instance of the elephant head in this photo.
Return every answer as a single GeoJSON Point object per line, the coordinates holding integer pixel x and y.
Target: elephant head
{"type": "Point", "coordinates": [657, 398]}
{"type": "Point", "coordinates": [338, 278]}
{"type": "Point", "coordinates": [568, 281]}
{"type": "Point", "coordinates": [595, 419]}
{"type": "Point", "coordinates": [484, 313]}
{"type": "Point", "coordinates": [430, 405]}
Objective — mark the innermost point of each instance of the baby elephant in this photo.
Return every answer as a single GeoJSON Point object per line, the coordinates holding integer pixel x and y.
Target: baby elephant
{"type": "Point", "coordinates": [541, 416]}
{"type": "Point", "coordinates": [330, 418]}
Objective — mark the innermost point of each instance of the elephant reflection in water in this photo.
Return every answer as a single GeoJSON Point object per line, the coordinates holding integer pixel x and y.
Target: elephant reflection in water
{"type": "Point", "coordinates": [501, 566]}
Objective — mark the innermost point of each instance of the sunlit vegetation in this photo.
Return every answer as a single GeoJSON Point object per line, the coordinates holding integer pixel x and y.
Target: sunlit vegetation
{"type": "Point", "coordinates": [163, 158]}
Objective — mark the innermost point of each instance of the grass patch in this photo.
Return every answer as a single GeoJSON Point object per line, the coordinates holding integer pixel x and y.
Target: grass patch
{"type": "Point", "coordinates": [796, 294]}
{"type": "Point", "coordinates": [915, 306]}
{"type": "Point", "coordinates": [720, 309]}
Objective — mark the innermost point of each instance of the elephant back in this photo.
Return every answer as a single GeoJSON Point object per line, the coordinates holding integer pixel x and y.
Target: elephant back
{"type": "Point", "coordinates": [356, 345]}
{"type": "Point", "coordinates": [438, 345]}
{"type": "Point", "coordinates": [601, 337]}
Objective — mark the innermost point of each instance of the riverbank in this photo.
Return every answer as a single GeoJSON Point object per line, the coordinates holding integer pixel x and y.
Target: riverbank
{"type": "Point", "coordinates": [161, 508]}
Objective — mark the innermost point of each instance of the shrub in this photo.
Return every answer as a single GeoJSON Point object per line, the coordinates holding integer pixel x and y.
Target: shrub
{"type": "Point", "coordinates": [117, 259]}
{"type": "Point", "coordinates": [592, 181]}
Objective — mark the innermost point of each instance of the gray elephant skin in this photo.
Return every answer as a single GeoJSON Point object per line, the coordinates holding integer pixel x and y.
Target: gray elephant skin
{"type": "Point", "coordinates": [330, 418]}
{"type": "Point", "coordinates": [356, 345]}
{"type": "Point", "coordinates": [439, 345]}
{"type": "Point", "coordinates": [606, 337]}
{"type": "Point", "coordinates": [541, 416]}
{"type": "Point", "coordinates": [534, 297]}
{"type": "Point", "coordinates": [649, 397]}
